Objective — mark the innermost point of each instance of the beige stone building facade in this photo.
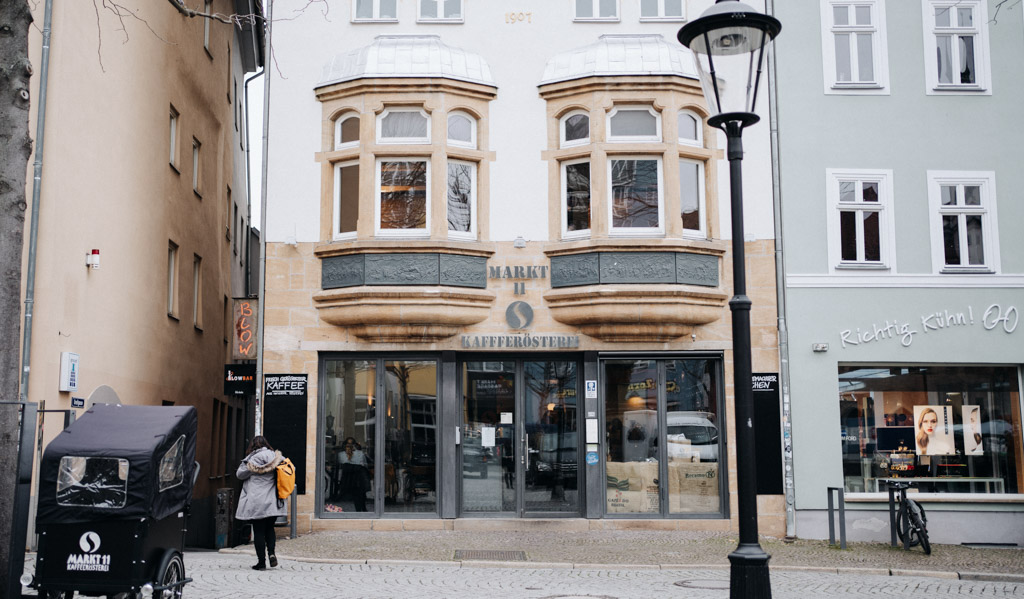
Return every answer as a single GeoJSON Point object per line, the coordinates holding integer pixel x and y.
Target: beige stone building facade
{"type": "Point", "coordinates": [143, 166]}
{"type": "Point", "coordinates": [499, 265]}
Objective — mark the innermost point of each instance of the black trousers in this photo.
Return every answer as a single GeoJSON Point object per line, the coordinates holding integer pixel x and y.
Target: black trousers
{"type": "Point", "coordinates": [264, 537]}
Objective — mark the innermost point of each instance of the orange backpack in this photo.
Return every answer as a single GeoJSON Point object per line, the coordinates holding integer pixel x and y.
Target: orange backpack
{"type": "Point", "coordinates": [285, 478]}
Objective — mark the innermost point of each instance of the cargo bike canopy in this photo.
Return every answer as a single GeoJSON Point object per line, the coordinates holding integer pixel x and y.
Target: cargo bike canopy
{"type": "Point", "coordinates": [119, 462]}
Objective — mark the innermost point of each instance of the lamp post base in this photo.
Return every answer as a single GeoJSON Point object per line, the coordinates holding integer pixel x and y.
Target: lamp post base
{"type": "Point", "coordinates": [749, 577]}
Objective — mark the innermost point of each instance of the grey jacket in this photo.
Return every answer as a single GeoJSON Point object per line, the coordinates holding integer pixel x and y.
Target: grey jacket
{"type": "Point", "coordinates": [259, 489]}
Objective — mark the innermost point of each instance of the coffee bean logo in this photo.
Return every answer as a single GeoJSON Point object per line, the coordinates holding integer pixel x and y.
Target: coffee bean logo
{"type": "Point", "coordinates": [519, 315]}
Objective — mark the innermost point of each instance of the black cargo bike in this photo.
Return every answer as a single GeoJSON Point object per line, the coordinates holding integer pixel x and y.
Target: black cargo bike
{"type": "Point", "coordinates": [114, 494]}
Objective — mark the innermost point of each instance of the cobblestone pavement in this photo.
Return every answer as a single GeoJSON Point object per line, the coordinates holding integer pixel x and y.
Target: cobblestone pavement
{"type": "Point", "coordinates": [228, 576]}
{"type": "Point", "coordinates": [643, 547]}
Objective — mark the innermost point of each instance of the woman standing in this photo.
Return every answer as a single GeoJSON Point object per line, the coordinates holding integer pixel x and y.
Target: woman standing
{"type": "Point", "coordinates": [258, 502]}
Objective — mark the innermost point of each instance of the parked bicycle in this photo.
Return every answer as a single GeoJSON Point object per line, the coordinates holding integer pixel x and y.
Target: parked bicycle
{"type": "Point", "coordinates": [911, 521]}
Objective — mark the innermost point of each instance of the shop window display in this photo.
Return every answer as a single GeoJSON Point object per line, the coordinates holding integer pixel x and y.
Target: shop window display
{"type": "Point", "coordinates": [955, 429]}
{"type": "Point", "coordinates": [662, 437]}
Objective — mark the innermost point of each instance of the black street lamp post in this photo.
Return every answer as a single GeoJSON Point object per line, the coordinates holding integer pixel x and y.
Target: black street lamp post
{"type": "Point", "coordinates": [731, 28]}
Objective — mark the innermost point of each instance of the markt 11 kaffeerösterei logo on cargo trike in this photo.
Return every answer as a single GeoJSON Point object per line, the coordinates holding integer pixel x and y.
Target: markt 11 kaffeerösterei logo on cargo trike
{"type": "Point", "coordinates": [89, 559]}
{"type": "Point", "coordinates": [995, 317]}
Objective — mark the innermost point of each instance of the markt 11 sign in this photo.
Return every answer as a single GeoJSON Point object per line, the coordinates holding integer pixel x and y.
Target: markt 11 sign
{"type": "Point", "coordinates": [243, 333]}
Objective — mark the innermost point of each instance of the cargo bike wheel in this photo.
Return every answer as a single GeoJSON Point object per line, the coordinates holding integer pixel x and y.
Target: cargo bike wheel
{"type": "Point", "coordinates": [171, 573]}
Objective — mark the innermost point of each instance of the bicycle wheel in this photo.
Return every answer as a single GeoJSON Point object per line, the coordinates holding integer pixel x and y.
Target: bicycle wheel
{"type": "Point", "coordinates": [905, 528]}
{"type": "Point", "coordinates": [919, 527]}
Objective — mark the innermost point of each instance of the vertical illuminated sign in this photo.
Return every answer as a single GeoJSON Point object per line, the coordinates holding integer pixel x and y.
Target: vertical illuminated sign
{"type": "Point", "coordinates": [243, 335]}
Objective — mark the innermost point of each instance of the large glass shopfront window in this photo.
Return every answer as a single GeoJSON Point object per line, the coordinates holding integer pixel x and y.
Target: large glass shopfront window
{"type": "Point", "coordinates": [662, 437]}
{"type": "Point", "coordinates": [954, 429]}
{"type": "Point", "coordinates": [379, 450]}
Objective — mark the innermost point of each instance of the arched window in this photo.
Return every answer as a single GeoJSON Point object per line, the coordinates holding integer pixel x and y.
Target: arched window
{"type": "Point", "coordinates": [574, 129]}
{"type": "Point", "coordinates": [461, 130]}
{"type": "Point", "coordinates": [403, 126]}
{"type": "Point", "coordinates": [691, 129]}
{"type": "Point", "coordinates": [634, 123]}
{"type": "Point", "coordinates": [346, 131]}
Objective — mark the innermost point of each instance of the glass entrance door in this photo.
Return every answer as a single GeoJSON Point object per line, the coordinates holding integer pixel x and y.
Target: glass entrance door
{"type": "Point", "coordinates": [488, 431]}
{"type": "Point", "coordinates": [519, 439]}
{"type": "Point", "coordinates": [551, 437]}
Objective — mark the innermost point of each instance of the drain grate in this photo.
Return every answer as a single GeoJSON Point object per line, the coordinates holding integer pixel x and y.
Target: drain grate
{"type": "Point", "coordinates": [492, 555]}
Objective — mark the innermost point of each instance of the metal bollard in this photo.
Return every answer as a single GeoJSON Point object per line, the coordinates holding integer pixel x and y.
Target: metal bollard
{"type": "Point", "coordinates": [293, 534]}
{"type": "Point", "coordinates": [892, 517]}
{"type": "Point", "coordinates": [842, 517]}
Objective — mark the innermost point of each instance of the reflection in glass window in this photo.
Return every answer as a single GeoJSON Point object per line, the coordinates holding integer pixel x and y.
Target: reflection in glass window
{"type": "Point", "coordinates": [403, 194]}
{"type": "Point", "coordinates": [346, 203]}
{"type": "Point", "coordinates": [92, 482]}
{"type": "Point", "coordinates": [691, 195]}
{"type": "Point", "coordinates": [488, 448]}
{"type": "Point", "coordinates": [576, 193]}
{"type": "Point", "coordinates": [172, 471]}
{"type": "Point", "coordinates": [635, 193]}
{"type": "Point", "coordinates": [691, 422]}
{"type": "Point", "coordinates": [461, 197]}
{"type": "Point", "coordinates": [575, 129]}
{"type": "Point", "coordinates": [349, 420]}
{"type": "Point", "coordinates": [552, 437]}
{"type": "Point", "coordinates": [954, 429]}
{"type": "Point", "coordinates": [631, 416]}
{"type": "Point", "coordinates": [410, 431]}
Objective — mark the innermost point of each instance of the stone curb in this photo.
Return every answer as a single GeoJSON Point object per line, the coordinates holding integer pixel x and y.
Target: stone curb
{"type": "Point", "coordinates": [974, 576]}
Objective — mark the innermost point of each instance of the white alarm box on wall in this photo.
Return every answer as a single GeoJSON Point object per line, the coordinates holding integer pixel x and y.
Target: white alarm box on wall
{"type": "Point", "coordinates": [68, 371]}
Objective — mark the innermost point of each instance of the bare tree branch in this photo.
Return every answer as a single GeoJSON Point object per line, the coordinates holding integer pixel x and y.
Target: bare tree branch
{"type": "Point", "coordinates": [232, 19]}
{"type": "Point", "coordinates": [1009, 4]}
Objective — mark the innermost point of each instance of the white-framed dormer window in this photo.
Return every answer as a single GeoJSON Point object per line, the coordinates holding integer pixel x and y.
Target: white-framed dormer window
{"type": "Point", "coordinates": [636, 197]}
{"type": "Point", "coordinates": [374, 10]}
{"type": "Point", "coordinates": [346, 199]}
{"type": "Point", "coordinates": [662, 10]}
{"type": "Point", "coordinates": [402, 197]}
{"type": "Point", "coordinates": [576, 195]}
{"type": "Point", "coordinates": [461, 199]}
{"type": "Point", "coordinates": [854, 47]}
{"type": "Point", "coordinates": [346, 131]}
{"type": "Point", "coordinates": [403, 126]}
{"type": "Point", "coordinates": [962, 207]}
{"type": "Point", "coordinates": [461, 130]}
{"type": "Point", "coordinates": [574, 129]}
{"type": "Point", "coordinates": [596, 10]}
{"type": "Point", "coordinates": [860, 226]}
{"type": "Point", "coordinates": [692, 205]}
{"type": "Point", "coordinates": [691, 129]}
{"type": "Point", "coordinates": [634, 123]}
{"type": "Point", "coordinates": [956, 46]}
{"type": "Point", "coordinates": [440, 11]}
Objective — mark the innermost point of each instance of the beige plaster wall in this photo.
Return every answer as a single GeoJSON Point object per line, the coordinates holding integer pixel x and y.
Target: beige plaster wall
{"type": "Point", "coordinates": [107, 184]}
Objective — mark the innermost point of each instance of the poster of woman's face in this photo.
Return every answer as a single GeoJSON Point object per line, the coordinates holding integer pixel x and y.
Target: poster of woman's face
{"type": "Point", "coordinates": [934, 430]}
{"type": "Point", "coordinates": [972, 430]}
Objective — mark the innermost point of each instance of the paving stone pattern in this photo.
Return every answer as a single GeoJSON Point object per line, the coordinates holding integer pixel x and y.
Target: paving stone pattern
{"type": "Point", "coordinates": [228, 576]}
{"type": "Point", "coordinates": [644, 547]}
